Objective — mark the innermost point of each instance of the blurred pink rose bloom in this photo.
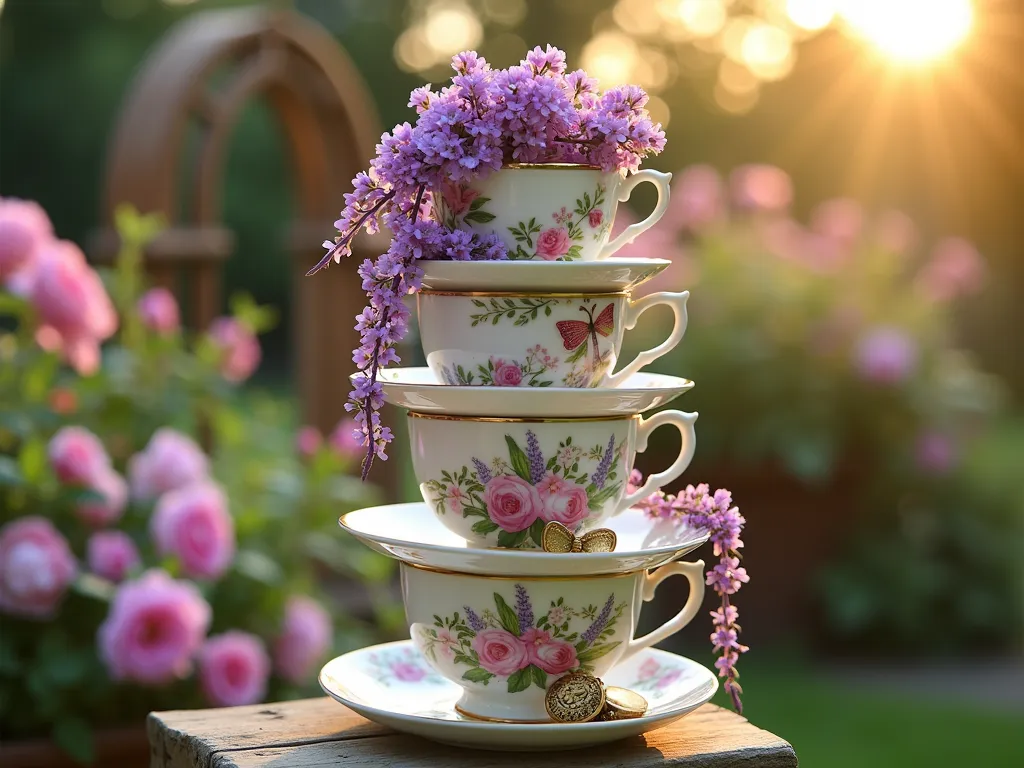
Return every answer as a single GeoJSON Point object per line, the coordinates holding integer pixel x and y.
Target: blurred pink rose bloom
{"type": "Point", "coordinates": [698, 199]}
{"type": "Point", "coordinates": [77, 456]}
{"type": "Point", "coordinates": [761, 188]}
{"type": "Point", "coordinates": [113, 492]}
{"type": "Point", "coordinates": [306, 636]}
{"type": "Point", "coordinates": [158, 310]}
{"type": "Point", "coordinates": [240, 349]}
{"type": "Point", "coordinates": [886, 355]}
{"type": "Point", "coordinates": [308, 441]}
{"type": "Point", "coordinates": [75, 312]}
{"type": "Point", "coordinates": [193, 524]}
{"type": "Point", "coordinates": [233, 669]}
{"type": "Point", "coordinates": [111, 554]}
{"type": "Point", "coordinates": [36, 567]}
{"type": "Point", "coordinates": [935, 453]}
{"type": "Point", "coordinates": [24, 230]}
{"type": "Point", "coordinates": [956, 269]}
{"type": "Point", "coordinates": [154, 629]}
{"type": "Point", "coordinates": [895, 232]}
{"type": "Point", "coordinates": [347, 439]}
{"type": "Point", "coordinates": [840, 219]}
{"type": "Point", "coordinates": [171, 460]}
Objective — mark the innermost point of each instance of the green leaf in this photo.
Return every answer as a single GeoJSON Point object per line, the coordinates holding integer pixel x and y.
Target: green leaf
{"type": "Point", "coordinates": [259, 567]}
{"type": "Point", "coordinates": [537, 531]}
{"type": "Point", "coordinates": [520, 681]}
{"type": "Point", "coordinates": [540, 677]}
{"type": "Point", "coordinates": [32, 461]}
{"type": "Point", "coordinates": [479, 203]}
{"type": "Point", "coordinates": [483, 527]}
{"type": "Point", "coordinates": [511, 540]}
{"type": "Point", "coordinates": [9, 472]}
{"type": "Point", "coordinates": [477, 675]}
{"type": "Point", "coordinates": [506, 616]}
{"type": "Point", "coordinates": [479, 216]}
{"type": "Point", "coordinates": [596, 651]}
{"type": "Point", "coordinates": [520, 464]}
{"type": "Point", "coordinates": [74, 736]}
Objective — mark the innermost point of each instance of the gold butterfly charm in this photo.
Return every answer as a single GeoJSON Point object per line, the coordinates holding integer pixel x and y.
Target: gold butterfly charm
{"type": "Point", "coordinates": [558, 538]}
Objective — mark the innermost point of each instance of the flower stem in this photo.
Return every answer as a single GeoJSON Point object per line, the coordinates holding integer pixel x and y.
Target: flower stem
{"type": "Point", "coordinates": [347, 237]}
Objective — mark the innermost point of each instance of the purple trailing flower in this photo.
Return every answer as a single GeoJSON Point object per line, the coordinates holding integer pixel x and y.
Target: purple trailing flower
{"type": "Point", "coordinates": [595, 629]}
{"type": "Point", "coordinates": [601, 473]}
{"type": "Point", "coordinates": [473, 619]}
{"type": "Point", "coordinates": [535, 457]}
{"type": "Point", "coordinates": [483, 472]}
{"type": "Point", "coordinates": [524, 611]}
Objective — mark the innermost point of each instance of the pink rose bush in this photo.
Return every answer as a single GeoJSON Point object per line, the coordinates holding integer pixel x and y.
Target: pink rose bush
{"type": "Point", "coordinates": [77, 456]}
{"type": "Point", "coordinates": [36, 567]}
{"type": "Point", "coordinates": [109, 501]}
{"type": "Point", "coordinates": [170, 461]}
{"type": "Point", "coordinates": [306, 636]}
{"type": "Point", "coordinates": [553, 243]}
{"type": "Point", "coordinates": [233, 669]}
{"type": "Point", "coordinates": [239, 349]}
{"type": "Point", "coordinates": [24, 230]}
{"type": "Point", "coordinates": [112, 555]}
{"type": "Point", "coordinates": [193, 524]}
{"type": "Point", "coordinates": [158, 310]}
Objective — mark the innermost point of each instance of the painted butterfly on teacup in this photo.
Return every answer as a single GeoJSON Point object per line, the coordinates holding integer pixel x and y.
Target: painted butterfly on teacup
{"type": "Point", "coordinates": [577, 334]}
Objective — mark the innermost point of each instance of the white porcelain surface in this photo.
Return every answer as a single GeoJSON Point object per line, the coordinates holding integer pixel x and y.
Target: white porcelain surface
{"type": "Point", "coordinates": [417, 389]}
{"type": "Point", "coordinates": [550, 213]}
{"type": "Point", "coordinates": [499, 481]}
{"type": "Point", "coordinates": [538, 340]}
{"type": "Point", "coordinates": [392, 684]}
{"type": "Point", "coordinates": [412, 533]}
{"type": "Point", "coordinates": [504, 640]}
{"type": "Point", "coordinates": [606, 276]}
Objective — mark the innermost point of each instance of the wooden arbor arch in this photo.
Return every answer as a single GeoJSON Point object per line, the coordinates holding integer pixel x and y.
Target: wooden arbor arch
{"type": "Point", "coordinates": [169, 148]}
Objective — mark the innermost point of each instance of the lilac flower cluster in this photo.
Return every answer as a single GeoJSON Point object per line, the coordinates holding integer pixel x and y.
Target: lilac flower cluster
{"type": "Point", "coordinates": [483, 472]}
{"type": "Point", "coordinates": [698, 507]}
{"type": "Point", "coordinates": [601, 472]}
{"type": "Point", "coordinates": [535, 457]}
{"type": "Point", "coordinates": [473, 619]}
{"type": "Point", "coordinates": [532, 112]}
{"type": "Point", "coordinates": [524, 611]}
{"type": "Point", "coordinates": [595, 629]}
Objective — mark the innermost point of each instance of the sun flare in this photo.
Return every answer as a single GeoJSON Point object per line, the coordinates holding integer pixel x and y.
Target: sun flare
{"type": "Point", "coordinates": [911, 31]}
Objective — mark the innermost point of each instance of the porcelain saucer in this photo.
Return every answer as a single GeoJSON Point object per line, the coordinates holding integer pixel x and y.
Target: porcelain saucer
{"type": "Point", "coordinates": [417, 389]}
{"type": "Point", "coordinates": [393, 685]}
{"type": "Point", "coordinates": [412, 533]}
{"type": "Point", "coordinates": [582, 276]}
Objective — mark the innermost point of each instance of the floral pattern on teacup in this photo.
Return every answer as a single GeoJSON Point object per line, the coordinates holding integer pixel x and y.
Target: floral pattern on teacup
{"type": "Point", "coordinates": [402, 665]}
{"type": "Point", "coordinates": [511, 645]}
{"type": "Point", "coordinates": [458, 203]}
{"type": "Point", "coordinates": [499, 372]}
{"type": "Point", "coordinates": [516, 497]}
{"type": "Point", "coordinates": [564, 240]}
{"type": "Point", "coordinates": [520, 310]}
{"type": "Point", "coordinates": [655, 678]}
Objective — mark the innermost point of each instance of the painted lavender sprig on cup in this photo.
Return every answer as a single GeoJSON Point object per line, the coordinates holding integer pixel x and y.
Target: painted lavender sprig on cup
{"type": "Point", "coordinates": [524, 611]}
{"type": "Point", "coordinates": [601, 473]}
{"type": "Point", "coordinates": [698, 507]}
{"type": "Point", "coordinates": [532, 112]}
{"type": "Point", "coordinates": [483, 472]}
{"type": "Point", "coordinates": [597, 627]}
{"type": "Point", "coordinates": [535, 457]}
{"type": "Point", "coordinates": [473, 619]}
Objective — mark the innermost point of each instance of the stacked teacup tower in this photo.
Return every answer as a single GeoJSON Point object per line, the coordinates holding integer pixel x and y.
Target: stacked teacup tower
{"type": "Point", "coordinates": [525, 566]}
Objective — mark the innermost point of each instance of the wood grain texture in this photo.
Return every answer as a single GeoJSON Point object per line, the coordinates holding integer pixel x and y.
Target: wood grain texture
{"type": "Point", "coordinates": [320, 732]}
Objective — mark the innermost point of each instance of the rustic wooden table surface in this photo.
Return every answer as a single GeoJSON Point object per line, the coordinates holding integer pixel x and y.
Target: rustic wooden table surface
{"type": "Point", "coordinates": [321, 732]}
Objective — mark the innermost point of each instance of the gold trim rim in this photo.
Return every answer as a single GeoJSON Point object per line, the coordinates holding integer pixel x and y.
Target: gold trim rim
{"type": "Point", "coordinates": [525, 294]}
{"type": "Point", "coordinates": [501, 577]}
{"type": "Point", "coordinates": [552, 167]}
{"type": "Point", "coordinates": [520, 420]}
{"type": "Point", "coordinates": [503, 721]}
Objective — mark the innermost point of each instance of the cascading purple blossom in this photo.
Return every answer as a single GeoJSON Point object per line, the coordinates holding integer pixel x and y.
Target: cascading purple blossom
{"type": "Point", "coordinates": [597, 627]}
{"type": "Point", "coordinates": [534, 457]}
{"type": "Point", "coordinates": [483, 472]}
{"type": "Point", "coordinates": [473, 619]}
{"type": "Point", "coordinates": [531, 112]}
{"type": "Point", "coordinates": [698, 507]}
{"type": "Point", "coordinates": [601, 473]}
{"type": "Point", "coordinates": [524, 611]}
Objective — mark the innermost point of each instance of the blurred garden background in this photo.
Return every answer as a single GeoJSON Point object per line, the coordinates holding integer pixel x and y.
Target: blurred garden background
{"type": "Point", "coordinates": [847, 212]}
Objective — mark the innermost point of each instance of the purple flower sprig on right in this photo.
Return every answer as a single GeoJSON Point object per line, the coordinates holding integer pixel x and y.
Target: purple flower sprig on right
{"type": "Point", "coordinates": [698, 507]}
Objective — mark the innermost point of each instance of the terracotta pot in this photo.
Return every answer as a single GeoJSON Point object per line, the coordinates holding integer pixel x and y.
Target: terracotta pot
{"type": "Point", "coordinates": [115, 748]}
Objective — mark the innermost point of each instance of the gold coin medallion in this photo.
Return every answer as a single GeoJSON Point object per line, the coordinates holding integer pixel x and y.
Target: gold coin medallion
{"type": "Point", "coordinates": [574, 698]}
{"type": "Point", "coordinates": [622, 703]}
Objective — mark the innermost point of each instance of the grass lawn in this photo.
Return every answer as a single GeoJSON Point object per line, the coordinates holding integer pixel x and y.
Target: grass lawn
{"type": "Point", "coordinates": [833, 727]}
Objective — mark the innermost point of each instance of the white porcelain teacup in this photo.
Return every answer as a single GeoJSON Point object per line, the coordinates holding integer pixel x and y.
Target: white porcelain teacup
{"type": "Point", "coordinates": [498, 481]}
{"type": "Point", "coordinates": [552, 211]}
{"type": "Point", "coordinates": [505, 639]}
{"type": "Point", "coordinates": [537, 339]}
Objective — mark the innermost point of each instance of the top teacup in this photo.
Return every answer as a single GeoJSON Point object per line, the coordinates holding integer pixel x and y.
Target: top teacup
{"type": "Point", "coordinates": [551, 211]}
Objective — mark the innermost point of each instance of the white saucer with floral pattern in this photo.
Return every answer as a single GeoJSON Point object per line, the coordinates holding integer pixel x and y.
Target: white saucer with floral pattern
{"type": "Point", "coordinates": [412, 533]}
{"type": "Point", "coordinates": [392, 684]}
{"type": "Point", "coordinates": [581, 276]}
{"type": "Point", "coordinates": [417, 389]}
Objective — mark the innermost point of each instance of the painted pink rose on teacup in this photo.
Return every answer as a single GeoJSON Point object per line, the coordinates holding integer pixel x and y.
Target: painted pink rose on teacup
{"type": "Point", "coordinates": [553, 243]}
{"type": "Point", "coordinates": [506, 374]}
{"type": "Point", "coordinates": [563, 501]}
{"type": "Point", "coordinates": [512, 502]}
{"type": "Point", "coordinates": [458, 197]}
{"type": "Point", "coordinates": [595, 217]}
{"type": "Point", "coordinates": [500, 652]}
{"type": "Point", "coordinates": [551, 655]}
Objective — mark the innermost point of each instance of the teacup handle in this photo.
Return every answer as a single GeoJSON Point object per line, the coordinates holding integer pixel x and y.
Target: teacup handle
{"type": "Point", "coordinates": [677, 303]}
{"type": "Point", "coordinates": [684, 423]}
{"type": "Point", "coordinates": [630, 233]}
{"type": "Point", "coordinates": [694, 573]}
